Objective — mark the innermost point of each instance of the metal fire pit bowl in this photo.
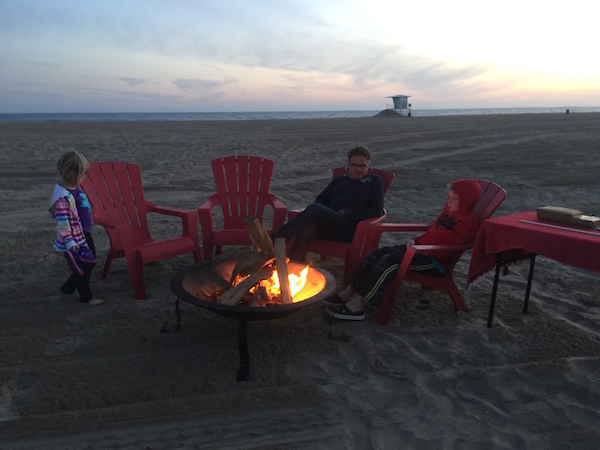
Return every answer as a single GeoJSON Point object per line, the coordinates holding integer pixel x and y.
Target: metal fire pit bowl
{"type": "Point", "coordinates": [201, 284]}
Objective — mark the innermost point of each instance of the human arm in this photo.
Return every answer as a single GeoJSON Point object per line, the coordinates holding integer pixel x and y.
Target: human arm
{"type": "Point", "coordinates": [450, 229]}
{"type": "Point", "coordinates": [373, 206]}
{"type": "Point", "coordinates": [324, 198]}
{"type": "Point", "coordinates": [61, 211]}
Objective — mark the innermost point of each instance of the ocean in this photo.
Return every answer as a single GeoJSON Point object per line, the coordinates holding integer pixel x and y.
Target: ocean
{"type": "Point", "coordinates": [103, 117]}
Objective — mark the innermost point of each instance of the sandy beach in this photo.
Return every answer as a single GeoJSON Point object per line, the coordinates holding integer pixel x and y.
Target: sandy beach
{"type": "Point", "coordinates": [74, 376]}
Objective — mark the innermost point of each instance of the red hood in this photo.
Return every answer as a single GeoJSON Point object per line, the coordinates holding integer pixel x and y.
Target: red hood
{"type": "Point", "coordinates": [469, 191]}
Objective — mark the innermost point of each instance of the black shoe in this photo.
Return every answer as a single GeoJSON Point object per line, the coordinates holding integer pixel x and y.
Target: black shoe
{"type": "Point", "coordinates": [333, 300]}
{"type": "Point", "coordinates": [342, 312]}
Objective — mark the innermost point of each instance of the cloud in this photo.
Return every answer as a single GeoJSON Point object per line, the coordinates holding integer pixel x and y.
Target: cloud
{"type": "Point", "coordinates": [199, 85]}
{"type": "Point", "coordinates": [132, 82]}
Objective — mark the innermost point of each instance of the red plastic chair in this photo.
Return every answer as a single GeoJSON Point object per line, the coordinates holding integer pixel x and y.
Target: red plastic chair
{"type": "Point", "coordinates": [117, 197]}
{"type": "Point", "coordinates": [349, 251]}
{"type": "Point", "coordinates": [242, 191]}
{"type": "Point", "coordinates": [490, 198]}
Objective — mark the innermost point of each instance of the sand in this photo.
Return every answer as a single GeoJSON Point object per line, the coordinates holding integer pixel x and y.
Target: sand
{"type": "Point", "coordinates": [75, 376]}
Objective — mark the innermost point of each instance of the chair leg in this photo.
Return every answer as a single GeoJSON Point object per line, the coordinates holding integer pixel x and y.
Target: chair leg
{"type": "Point", "coordinates": [109, 259]}
{"type": "Point", "coordinates": [207, 247]}
{"type": "Point", "coordinates": [136, 273]}
{"type": "Point", "coordinates": [197, 255]}
{"type": "Point", "coordinates": [456, 296]}
{"type": "Point", "coordinates": [389, 299]}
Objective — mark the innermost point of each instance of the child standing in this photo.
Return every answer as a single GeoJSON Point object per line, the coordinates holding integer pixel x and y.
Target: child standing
{"type": "Point", "coordinates": [457, 224]}
{"type": "Point", "coordinates": [73, 213]}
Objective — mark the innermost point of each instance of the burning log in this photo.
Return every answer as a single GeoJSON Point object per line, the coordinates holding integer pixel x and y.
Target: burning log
{"type": "Point", "coordinates": [282, 272]}
{"type": "Point", "coordinates": [253, 280]}
{"type": "Point", "coordinates": [260, 297]}
{"type": "Point", "coordinates": [235, 295]}
{"type": "Point", "coordinates": [259, 235]}
{"type": "Point", "coordinates": [248, 264]}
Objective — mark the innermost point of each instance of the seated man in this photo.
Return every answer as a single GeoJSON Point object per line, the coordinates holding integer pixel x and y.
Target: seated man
{"type": "Point", "coordinates": [337, 210]}
{"type": "Point", "coordinates": [457, 224]}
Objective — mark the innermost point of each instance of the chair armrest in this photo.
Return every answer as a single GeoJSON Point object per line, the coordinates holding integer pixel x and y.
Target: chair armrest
{"type": "Point", "coordinates": [209, 204]}
{"type": "Point", "coordinates": [279, 212]}
{"type": "Point", "coordinates": [375, 230]}
{"type": "Point", "coordinates": [293, 213]}
{"type": "Point", "coordinates": [183, 213]}
{"type": "Point", "coordinates": [398, 227]}
{"type": "Point", "coordinates": [189, 219]}
{"type": "Point", "coordinates": [441, 248]}
{"type": "Point", "coordinates": [205, 213]}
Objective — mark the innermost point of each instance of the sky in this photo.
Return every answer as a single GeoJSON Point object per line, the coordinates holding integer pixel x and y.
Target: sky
{"type": "Point", "coordinates": [295, 55]}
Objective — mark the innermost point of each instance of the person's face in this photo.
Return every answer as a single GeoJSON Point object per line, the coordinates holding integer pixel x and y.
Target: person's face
{"type": "Point", "coordinates": [358, 167]}
{"type": "Point", "coordinates": [453, 202]}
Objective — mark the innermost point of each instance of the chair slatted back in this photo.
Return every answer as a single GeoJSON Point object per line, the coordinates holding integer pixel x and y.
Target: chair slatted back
{"type": "Point", "coordinates": [242, 187]}
{"type": "Point", "coordinates": [116, 194]}
{"type": "Point", "coordinates": [492, 195]}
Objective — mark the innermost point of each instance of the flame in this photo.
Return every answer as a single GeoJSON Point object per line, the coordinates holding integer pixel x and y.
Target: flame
{"type": "Point", "coordinates": [296, 282]}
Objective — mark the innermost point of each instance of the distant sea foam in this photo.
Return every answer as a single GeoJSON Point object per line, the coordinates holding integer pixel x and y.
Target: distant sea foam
{"type": "Point", "coordinates": [103, 117]}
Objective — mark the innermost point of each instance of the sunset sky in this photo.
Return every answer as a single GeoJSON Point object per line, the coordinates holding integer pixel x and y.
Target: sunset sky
{"type": "Point", "coordinates": [295, 55]}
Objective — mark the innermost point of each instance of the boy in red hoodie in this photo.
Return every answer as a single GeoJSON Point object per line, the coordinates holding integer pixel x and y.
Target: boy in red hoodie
{"type": "Point", "coordinates": [457, 224]}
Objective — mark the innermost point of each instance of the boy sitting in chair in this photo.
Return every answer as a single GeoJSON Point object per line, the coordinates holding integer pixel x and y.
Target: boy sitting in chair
{"type": "Point", "coordinates": [457, 224]}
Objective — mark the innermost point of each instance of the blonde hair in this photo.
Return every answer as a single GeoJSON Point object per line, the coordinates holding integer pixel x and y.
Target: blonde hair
{"type": "Point", "coordinates": [72, 166]}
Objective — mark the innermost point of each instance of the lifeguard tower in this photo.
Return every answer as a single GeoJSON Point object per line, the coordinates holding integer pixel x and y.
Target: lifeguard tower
{"type": "Point", "coordinates": [401, 103]}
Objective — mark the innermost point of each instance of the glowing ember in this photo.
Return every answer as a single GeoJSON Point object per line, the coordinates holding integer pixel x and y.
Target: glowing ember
{"type": "Point", "coordinates": [296, 283]}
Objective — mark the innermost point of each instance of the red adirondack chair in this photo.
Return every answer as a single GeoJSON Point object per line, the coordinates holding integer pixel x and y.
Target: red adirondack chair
{"type": "Point", "coordinates": [242, 191]}
{"type": "Point", "coordinates": [349, 251]}
{"type": "Point", "coordinates": [490, 198]}
{"type": "Point", "coordinates": [117, 197]}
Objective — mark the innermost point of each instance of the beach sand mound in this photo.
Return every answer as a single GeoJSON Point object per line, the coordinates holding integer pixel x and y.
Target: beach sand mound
{"type": "Point", "coordinates": [388, 113]}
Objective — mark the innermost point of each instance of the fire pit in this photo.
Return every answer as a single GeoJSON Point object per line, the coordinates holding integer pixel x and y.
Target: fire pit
{"type": "Point", "coordinates": [204, 284]}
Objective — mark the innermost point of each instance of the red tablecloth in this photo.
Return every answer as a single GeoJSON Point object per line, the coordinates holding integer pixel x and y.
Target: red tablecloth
{"type": "Point", "coordinates": [574, 246]}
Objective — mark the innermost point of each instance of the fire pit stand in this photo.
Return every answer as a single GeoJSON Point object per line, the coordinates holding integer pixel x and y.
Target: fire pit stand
{"type": "Point", "coordinates": [200, 283]}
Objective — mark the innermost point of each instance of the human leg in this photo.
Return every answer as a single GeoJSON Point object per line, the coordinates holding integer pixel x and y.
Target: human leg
{"type": "Point", "coordinates": [377, 272]}
{"type": "Point", "coordinates": [70, 286]}
{"type": "Point", "coordinates": [315, 222]}
{"type": "Point", "coordinates": [83, 286]}
{"type": "Point", "coordinates": [426, 265]}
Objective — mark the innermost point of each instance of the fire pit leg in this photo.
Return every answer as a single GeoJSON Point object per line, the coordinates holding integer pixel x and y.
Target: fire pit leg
{"type": "Point", "coordinates": [244, 370]}
{"type": "Point", "coordinates": [168, 327]}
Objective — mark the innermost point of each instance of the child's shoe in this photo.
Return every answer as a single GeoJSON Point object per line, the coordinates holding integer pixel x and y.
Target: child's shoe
{"type": "Point", "coordinates": [92, 301]}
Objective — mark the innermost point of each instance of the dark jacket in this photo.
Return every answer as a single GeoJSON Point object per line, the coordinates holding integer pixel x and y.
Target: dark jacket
{"type": "Point", "coordinates": [358, 199]}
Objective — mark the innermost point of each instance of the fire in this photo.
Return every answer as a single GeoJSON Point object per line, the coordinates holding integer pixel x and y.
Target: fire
{"type": "Point", "coordinates": [296, 283]}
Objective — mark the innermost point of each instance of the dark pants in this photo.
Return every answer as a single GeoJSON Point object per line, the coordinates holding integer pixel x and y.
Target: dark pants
{"type": "Point", "coordinates": [81, 283]}
{"type": "Point", "coordinates": [377, 270]}
{"type": "Point", "coordinates": [315, 222]}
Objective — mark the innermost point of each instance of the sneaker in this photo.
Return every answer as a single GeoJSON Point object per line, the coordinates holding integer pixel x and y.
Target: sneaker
{"type": "Point", "coordinates": [333, 300]}
{"type": "Point", "coordinates": [92, 302]}
{"type": "Point", "coordinates": [342, 312]}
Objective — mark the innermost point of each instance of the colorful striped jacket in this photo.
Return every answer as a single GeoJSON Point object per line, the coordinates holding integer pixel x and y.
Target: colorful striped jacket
{"type": "Point", "coordinates": [68, 226]}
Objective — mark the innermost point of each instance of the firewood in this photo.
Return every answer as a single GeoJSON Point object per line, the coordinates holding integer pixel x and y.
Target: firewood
{"type": "Point", "coordinates": [259, 236]}
{"type": "Point", "coordinates": [260, 297]}
{"type": "Point", "coordinates": [234, 295]}
{"type": "Point", "coordinates": [250, 263]}
{"type": "Point", "coordinates": [281, 263]}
